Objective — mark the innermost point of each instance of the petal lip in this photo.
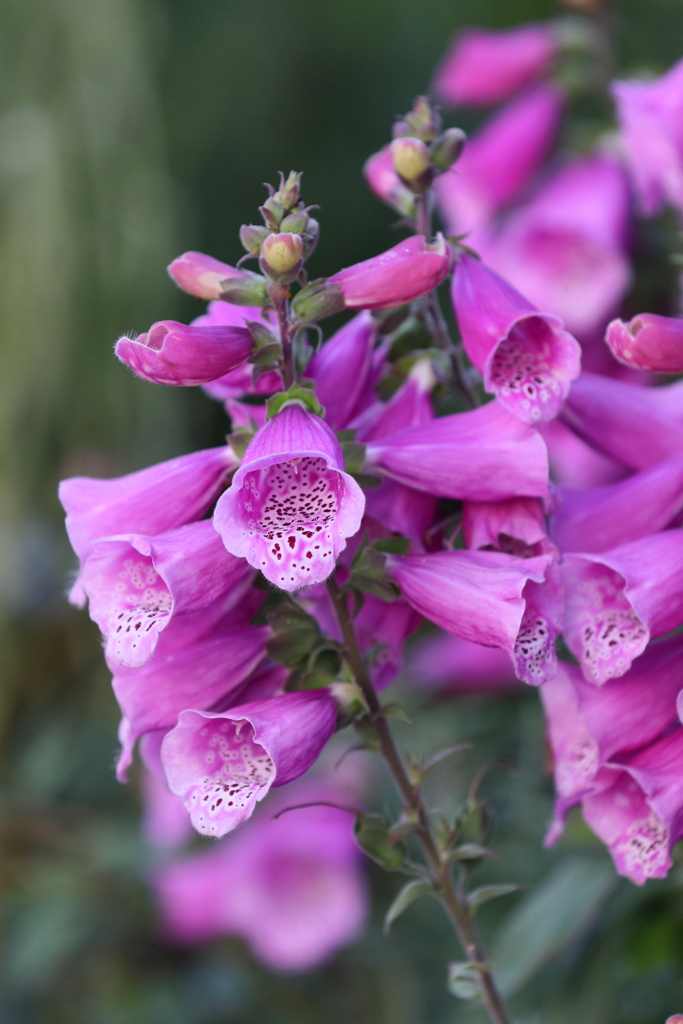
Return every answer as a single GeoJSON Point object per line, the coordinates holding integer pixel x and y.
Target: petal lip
{"type": "Point", "coordinates": [172, 353]}
{"type": "Point", "coordinates": [648, 342]}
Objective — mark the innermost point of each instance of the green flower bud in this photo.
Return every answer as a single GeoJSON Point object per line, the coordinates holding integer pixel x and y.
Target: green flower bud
{"type": "Point", "coordinates": [252, 237]}
{"type": "Point", "coordinates": [447, 147]}
{"type": "Point", "coordinates": [412, 163]}
{"type": "Point", "coordinates": [282, 252]}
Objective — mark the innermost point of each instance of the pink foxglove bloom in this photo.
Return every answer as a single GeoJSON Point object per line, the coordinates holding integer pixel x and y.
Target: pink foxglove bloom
{"type": "Point", "coordinates": [651, 119]}
{"type": "Point", "coordinates": [483, 455]}
{"type": "Point", "coordinates": [344, 370]}
{"type": "Point", "coordinates": [484, 66]}
{"type": "Point", "coordinates": [526, 357]}
{"type": "Point", "coordinates": [136, 584]}
{"type": "Point", "coordinates": [575, 463]}
{"type": "Point", "coordinates": [564, 250]}
{"type": "Point", "coordinates": [291, 506]}
{"type": "Point", "coordinates": [480, 596]}
{"type": "Point", "coordinates": [292, 887]}
{"type": "Point", "coordinates": [171, 353]}
{"type": "Point", "coordinates": [618, 600]}
{"type": "Point", "coordinates": [452, 665]}
{"type": "Point", "coordinates": [382, 178]}
{"type": "Point", "coordinates": [599, 518]}
{"type": "Point", "coordinates": [222, 764]}
{"type": "Point", "coordinates": [396, 276]}
{"type": "Point", "coordinates": [165, 823]}
{"type": "Point", "coordinates": [499, 160]}
{"type": "Point", "coordinates": [648, 342]}
{"type": "Point", "coordinates": [207, 278]}
{"type": "Point", "coordinates": [624, 421]}
{"type": "Point", "coordinates": [487, 524]}
{"type": "Point", "coordinates": [150, 501]}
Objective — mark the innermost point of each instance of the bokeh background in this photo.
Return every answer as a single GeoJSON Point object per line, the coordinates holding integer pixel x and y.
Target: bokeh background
{"type": "Point", "coordinates": [130, 131]}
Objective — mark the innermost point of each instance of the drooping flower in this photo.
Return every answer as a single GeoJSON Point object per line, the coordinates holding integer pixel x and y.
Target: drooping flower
{"type": "Point", "coordinates": [526, 357]}
{"type": "Point", "coordinates": [648, 342]}
{"type": "Point", "coordinates": [452, 665]}
{"type": "Point", "coordinates": [165, 823]}
{"type": "Point", "coordinates": [395, 277]}
{"type": "Point", "coordinates": [344, 370]}
{"type": "Point", "coordinates": [291, 506]}
{"type": "Point", "coordinates": [222, 764]}
{"type": "Point", "coordinates": [484, 66]}
{"type": "Point", "coordinates": [208, 278]}
{"type": "Point", "coordinates": [575, 463]}
{"type": "Point", "coordinates": [487, 524]}
{"type": "Point", "coordinates": [171, 353]}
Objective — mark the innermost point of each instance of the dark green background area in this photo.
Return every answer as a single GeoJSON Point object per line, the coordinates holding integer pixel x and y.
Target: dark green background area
{"type": "Point", "coordinates": [130, 131]}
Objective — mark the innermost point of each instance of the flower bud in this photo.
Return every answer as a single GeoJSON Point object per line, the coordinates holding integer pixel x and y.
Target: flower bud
{"type": "Point", "coordinates": [295, 222]}
{"type": "Point", "coordinates": [412, 163]}
{"type": "Point", "coordinates": [318, 300]}
{"type": "Point", "coordinates": [272, 212]}
{"type": "Point", "coordinates": [282, 252]}
{"type": "Point", "coordinates": [289, 191]}
{"type": "Point", "coordinates": [310, 236]}
{"type": "Point", "coordinates": [207, 278]}
{"type": "Point", "coordinates": [447, 147]}
{"type": "Point", "coordinates": [252, 237]}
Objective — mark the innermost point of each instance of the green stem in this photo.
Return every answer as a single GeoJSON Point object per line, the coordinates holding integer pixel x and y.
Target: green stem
{"type": "Point", "coordinates": [282, 311]}
{"type": "Point", "coordinates": [454, 905]}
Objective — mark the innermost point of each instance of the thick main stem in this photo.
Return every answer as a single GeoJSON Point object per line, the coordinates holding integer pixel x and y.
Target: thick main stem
{"type": "Point", "coordinates": [456, 908]}
{"type": "Point", "coordinates": [288, 368]}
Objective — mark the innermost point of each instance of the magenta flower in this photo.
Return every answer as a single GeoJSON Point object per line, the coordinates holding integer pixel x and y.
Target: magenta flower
{"type": "Point", "coordinates": [292, 888]}
{"type": "Point", "coordinates": [208, 278]}
{"type": "Point", "coordinates": [480, 596]}
{"type": "Point", "coordinates": [171, 353]}
{"type": "Point", "coordinates": [484, 67]}
{"type": "Point", "coordinates": [526, 357]}
{"type": "Point", "coordinates": [648, 342]}
{"type": "Point", "coordinates": [222, 764]}
{"type": "Point", "coordinates": [488, 524]}
{"type": "Point", "coordinates": [396, 276]}
{"type": "Point", "coordinates": [616, 601]}
{"type": "Point", "coordinates": [651, 118]}
{"type": "Point", "coordinates": [575, 463]}
{"type": "Point", "coordinates": [382, 178]}
{"type": "Point", "coordinates": [484, 455]}
{"type": "Point", "coordinates": [291, 506]}
{"type": "Point", "coordinates": [344, 370]}
{"type": "Point", "coordinates": [150, 501]}
{"type": "Point", "coordinates": [452, 665]}
{"type": "Point", "coordinates": [165, 823]}
{"type": "Point", "coordinates": [499, 160]}
{"type": "Point", "coordinates": [565, 248]}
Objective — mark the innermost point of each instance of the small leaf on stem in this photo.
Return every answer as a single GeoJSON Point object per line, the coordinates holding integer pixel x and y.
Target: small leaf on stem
{"type": "Point", "coordinates": [409, 893]}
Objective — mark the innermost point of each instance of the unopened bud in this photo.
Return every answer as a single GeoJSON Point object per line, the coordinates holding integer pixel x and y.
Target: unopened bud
{"type": "Point", "coordinates": [282, 252]}
{"type": "Point", "coordinates": [247, 290]}
{"type": "Point", "coordinates": [272, 212]}
{"type": "Point", "coordinates": [447, 147]}
{"type": "Point", "coordinates": [310, 236]}
{"type": "Point", "coordinates": [318, 300]}
{"type": "Point", "coordinates": [252, 237]}
{"type": "Point", "coordinates": [412, 163]}
{"type": "Point", "coordinates": [289, 191]}
{"type": "Point", "coordinates": [295, 222]}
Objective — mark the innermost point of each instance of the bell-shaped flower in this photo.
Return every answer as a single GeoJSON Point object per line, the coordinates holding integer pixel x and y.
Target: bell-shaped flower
{"type": "Point", "coordinates": [452, 665]}
{"type": "Point", "coordinates": [599, 518]}
{"type": "Point", "coordinates": [526, 357]}
{"type": "Point", "coordinates": [480, 596]}
{"type": "Point", "coordinates": [136, 584]}
{"type": "Point", "coordinates": [208, 278]}
{"type": "Point", "coordinates": [292, 887]}
{"type": "Point", "coordinates": [650, 116]}
{"type": "Point", "coordinates": [499, 160]}
{"type": "Point", "coordinates": [648, 342]}
{"type": "Point", "coordinates": [395, 277]}
{"type": "Point", "coordinates": [291, 506]}
{"type": "Point", "coordinates": [575, 463]}
{"type": "Point", "coordinates": [484, 66]}
{"type": "Point", "coordinates": [165, 822]}
{"type": "Point", "coordinates": [488, 524]}
{"type": "Point", "coordinates": [344, 370]}
{"type": "Point", "coordinates": [222, 764]}
{"type": "Point", "coordinates": [171, 353]}
{"type": "Point", "coordinates": [616, 601]}
{"type": "Point", "coordinates": [150, 501]}
{"type": "Point", "coordinates": [621, 420]}
{"type": "Point", "coordinates": [381, 176]}
{"type": "Point", "coordinates": [483, 455]}
{"type": "Point", "coordinates": [564, 249]}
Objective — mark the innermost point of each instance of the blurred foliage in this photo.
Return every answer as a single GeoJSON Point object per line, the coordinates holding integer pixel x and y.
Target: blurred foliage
{"type": "Point", "coordinates": [131, 130]}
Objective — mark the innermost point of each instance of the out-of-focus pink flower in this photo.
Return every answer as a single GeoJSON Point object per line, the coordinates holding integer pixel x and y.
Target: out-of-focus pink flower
{"type": "Point", "coordinates": [450, 664]}
{"type": "Point", "coordinates": [651, 119]}
{"type": "Point", "coordinates": [575, 463]}
{"type": "Point", "coordinates": [648, 342]}
{"type": "Point", "coordinates": [616, 601]}
{"type": "Point", "coordinates": [291, 506]}
{"type": "Point", "coordinates": [526, 357]}
{"type": "Point", "coordinates": [291, 887]}
{"type": "Point", "coordinates": [165, 823]}
{"type": "Point", "coordinates": [483, 455]}
{"type": "Point", "coordinates": [499, 160]}
{"type": "Point", "coordinates": [171, 353]}
{"type": "Point", "coordinates": [396, 276]}
{"type": "Point", "coordinates": [343, 370]}
{"type": "Point", "coordinates": [484, 66]}
{"type": "Point", "coordinates": [222, 764]}
{"type": "Point", "coordinates": [382, 178]}
{"type": "Point", "coordinates": [208, 278]}
{"type": "Point", "coordinates": [564, 250]}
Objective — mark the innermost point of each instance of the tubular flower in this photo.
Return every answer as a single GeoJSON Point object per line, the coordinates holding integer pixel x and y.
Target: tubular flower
{"type": "Point", "coordinates": [171, 353]}
{"type": "Point", "coordinates": [648, 342]}
{"type": "Point", "coordinates": [395, 277]}
{"type": "Point", "coordinates": [291, 506]}
{"type": "Point", "coordinates": [208, 278]}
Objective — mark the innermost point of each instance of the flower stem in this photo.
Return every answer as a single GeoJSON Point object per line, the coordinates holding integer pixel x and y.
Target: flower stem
{"type": "Point", "coordinates": [454, 904]}
{"type": "Point", "coordinates": [279, 297]}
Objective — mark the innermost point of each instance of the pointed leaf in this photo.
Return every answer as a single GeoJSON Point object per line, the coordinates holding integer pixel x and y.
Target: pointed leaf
{"type": "Point", "coordinates": [394, 710]}
{"type": "Point", "coordinates": [484, 893]}
{"type": "Point", "coordinates": [409, 893]}
{"type": "Point", "coordinates": [392, 545]}
{"type": "Point", "coordinates": [372, 835]}
{"type": "Point", "coordinates": [442, 755]}
{"type": "Point", "coordinates": [470, 851]}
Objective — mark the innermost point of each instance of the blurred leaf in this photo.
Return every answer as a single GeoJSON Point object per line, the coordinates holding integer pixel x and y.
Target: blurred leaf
{"type": "Point", "coordinates": [484, 893]}
{"type": "Point", "coordinates": [463, 981]}
{"type": "Point", "coordinates": [410, 892]}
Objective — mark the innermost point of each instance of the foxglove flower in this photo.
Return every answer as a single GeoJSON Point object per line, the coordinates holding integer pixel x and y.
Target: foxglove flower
{"type": "Point", "coordinates": [483, 66]}
{"type": "Point", "coordinates": [499, 160]}
{"type": "Point", "coordinates": [344, 370]}
{"type": "Point", "coordinates": [136, 584]}
{"type": "Point", "coordinates": [618, 600]}
{"type": "Point", "coordinates": [650, 116]}
{"type": "Point", "coordinates": [165, 822]}
{"type": "Point", "coordinates": [150, 501]}
{"type": "Point", "coordinates": [291, 506]}
{"type": "Point", "coordinates": [483, 455]}
{"type": "Point", "coordinates": [382, 178]}
{"type": "Point", "coordinates": [452, 665]}
{"type": "Point", "coordinates": [648, 342]}
{"type": "Point", "coordinates": [575, 463]}
{"type": "Point", "coordinates": [480, 596]}
{"type": "Point", "coordinates": [487, 524]}
{"type": "Point", "coordinates": [208, 278]}
{"type": "Point", "coordinates": [395, 277]}
{"type": "Point", "coordinates": [171, 353]}
{"type": "Point", "coordinates": [526, 357]}
{"type": "Point", "coordinates": [222, 764]}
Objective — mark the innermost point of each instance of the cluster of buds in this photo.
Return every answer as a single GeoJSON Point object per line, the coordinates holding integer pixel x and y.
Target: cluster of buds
{"type": "Point", "coordinates": [288, 235]}
{"type": "Point", "coordinates": [420, 149]}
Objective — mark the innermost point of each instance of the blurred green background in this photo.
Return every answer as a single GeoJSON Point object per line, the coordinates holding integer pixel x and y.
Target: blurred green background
{"type": "Point", "coordinates": [130, 131]}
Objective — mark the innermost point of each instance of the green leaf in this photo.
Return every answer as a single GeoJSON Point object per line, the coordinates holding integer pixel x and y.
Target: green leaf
{"type": "Point", "coordinates": [409, 893]}
{"type": "Point", "coordinates": [262, 336]}
{"type": "Point", "coordinates": [484, 893]}
{"type": "Point", "coordinates": [470, 851]}
{"type": "Point", "coordinates": [297, 393]}
{"type": "Point", "coordinates": [392, 545]}
{"type": "Point", "coordinates": [239, 440]}
{"type": "Point", "coordinates": [268, 355]}
{"type": "Point", "coordinates": [437, 758]}
{"type": "Point", "coordinates": [394, 710]}
{"type": "Point", "coordinates": [367, 480]}
{"type": "Point", "coordinates": [354, 456]}
{"type": "Point", "coordinates": [463, 981]}
{"type": "Point", "coordinates": [296, 635]}
{"type": "Point", "coordinates": [382, 589]}
{"type": "Point", "coordinates": [372, 835]}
